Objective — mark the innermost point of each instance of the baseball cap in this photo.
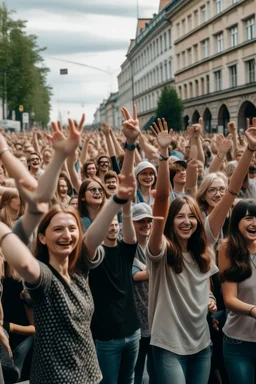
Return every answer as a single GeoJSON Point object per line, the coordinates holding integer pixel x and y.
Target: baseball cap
{"type": "Point", "coordinates": [141, 211]}
{"type": "Point", "coordinates": [176, 160]}
{"type": "Point", "coordinates": [143, 165]}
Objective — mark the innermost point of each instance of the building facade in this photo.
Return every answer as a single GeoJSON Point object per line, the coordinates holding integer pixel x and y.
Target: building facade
{"type": "Point", "coordinates": [148, 66]}
{"type": "Point", "coordinates": [215, 60]}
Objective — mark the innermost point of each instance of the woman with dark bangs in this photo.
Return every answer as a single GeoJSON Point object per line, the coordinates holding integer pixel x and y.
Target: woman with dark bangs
{"type": "Point", "coordinates": [237, 263]}
{"type": "Point", "coordinates": [179, 265]}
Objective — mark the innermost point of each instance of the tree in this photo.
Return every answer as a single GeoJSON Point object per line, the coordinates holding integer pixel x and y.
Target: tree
{"type": "Point", "coordinates": [170, 107]}
{"type": "Point", "coordinates": [22, 74]}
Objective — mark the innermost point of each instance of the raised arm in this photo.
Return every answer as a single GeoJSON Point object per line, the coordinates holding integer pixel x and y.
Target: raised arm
{"type": "Point", "coordinates": [150, 151]}
{"type": "Point", "coordinates": [224, 145]}
{"type": "Point", "coordinates": [131, 130]}
{"type": "Point", "coordinates": [219, 213]}
{"type": "Point", "coordinates": [13, 165]}
{"type": "Point", "coordinates": [35, 142]}
{"type": "Point", "coordinates": [118, 149]}
{"type": "Point", "coordinates": [98, 229]}
{"type": "Point", "coordinates": [195, 132]}
{"type": "Point", "coordinates": [18, 255]}
{"type": "Point", "coordinates": [233, 131]}
{"type": "Point", "coordinates": [163, 188]}
{"type": "Point", "coordinates": [106, 129]}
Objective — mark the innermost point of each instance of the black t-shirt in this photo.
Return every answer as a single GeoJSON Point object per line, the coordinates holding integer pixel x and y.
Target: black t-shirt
{"type": "Point", "coordinates": [111, 283]}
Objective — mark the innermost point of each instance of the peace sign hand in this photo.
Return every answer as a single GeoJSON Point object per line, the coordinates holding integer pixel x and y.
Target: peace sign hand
{"type": "Point", "coordinates": [161, 132]}
{"type": "Point", "coordinates": [250, 134]}
{"type": "Point", "coordinates": [131, 126]}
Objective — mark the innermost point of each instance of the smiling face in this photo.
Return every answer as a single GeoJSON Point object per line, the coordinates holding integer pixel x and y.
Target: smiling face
{"type": "Point", "coordinates": [94, 193]}
{"type": "Point", "coordinates": [91, 170]}
{"type": "Point", "coordinates": [113, 231]}
{"type": "Point", "coordinates": [247, 227]}
{"type": "Point", "coordinates": [47, 155]}
{"type": "Point", "coordinates": [143, 227]}
{"type": "Point", "coordinates": [111, 185]}
{"type": "Point", "coordinates": [34, 161]}
{"type": "Point", "coordinates": [61, 236]}
{"type": "Point", "coordinates": [104, 164]}
{"type": "Point", "coordinates": [185, 224]}
{"type": "Point", "coordinates": [146, 178]}
{"type": "Point", "coordinates": [180, 175]}
{"type": "Point", "coordinates": [215, 192]}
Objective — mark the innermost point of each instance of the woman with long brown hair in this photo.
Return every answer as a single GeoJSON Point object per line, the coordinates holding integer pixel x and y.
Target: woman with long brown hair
{"type": "Point", "coordinates": [237, 262]}
{"type": "Point", "coordinates": [12, 207]}
{"type": "Point", "coordinates": [57, 280]}
{"type": "Point", "coordinates": [179, 265]}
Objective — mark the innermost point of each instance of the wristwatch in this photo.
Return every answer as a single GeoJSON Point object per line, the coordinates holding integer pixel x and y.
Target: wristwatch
{"type": "Point", "coordinates": [130, 147]}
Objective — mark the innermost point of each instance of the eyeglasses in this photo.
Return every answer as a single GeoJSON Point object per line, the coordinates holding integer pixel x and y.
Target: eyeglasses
{"type": "Point", "coordinates": [104, 162]}
{"type": "Point", "coordinates": [213, 191]}
{"type": "Point", "coordinates": [93, 191]}
{"type": "Point", "coordinates": [34, 159]}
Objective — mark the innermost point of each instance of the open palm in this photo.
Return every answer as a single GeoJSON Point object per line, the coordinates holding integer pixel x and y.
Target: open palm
{"type": "Point", "coordinates": [164, 138]}
{"type": "Point", "coordinates": [250, 134]}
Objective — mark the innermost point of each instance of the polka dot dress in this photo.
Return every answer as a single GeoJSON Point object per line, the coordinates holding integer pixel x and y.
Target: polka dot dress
{"type": "Point", "coordinates": [64, 351]}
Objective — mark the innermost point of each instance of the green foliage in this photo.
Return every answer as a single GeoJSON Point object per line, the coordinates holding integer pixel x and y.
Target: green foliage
{"type": "Point", "coordinates": [170, 107]}
{"type": "Point", "coordinates": [22, 75]}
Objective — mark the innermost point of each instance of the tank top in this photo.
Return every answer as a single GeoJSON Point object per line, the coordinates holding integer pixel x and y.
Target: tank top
{"type": "Point", "coordinates": [239, 326]}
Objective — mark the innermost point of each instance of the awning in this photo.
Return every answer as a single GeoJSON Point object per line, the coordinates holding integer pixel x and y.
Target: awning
{"type": "Point", "coordinates": [149, 122]}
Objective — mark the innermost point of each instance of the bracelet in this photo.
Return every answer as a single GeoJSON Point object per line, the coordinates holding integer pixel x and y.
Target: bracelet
{"type": "Point", "coordinates": [130, 147]}
{"type": "Point", "coordinates": [232, 192]}
{"type": "Point", "coordinates": [128, 216]}
{"type": "Point", "coordinates": [249, 149]}
{"type": "Point", "coordinates": [11, 327]}
{"type": "Point", "coordinates": [117, 201]}
{"type": "Point", "coordinates": [250, 312]}
{"type": "Point", "coordinates": [211, 296]}
{"type": "Point", "coordinates": [161, 158]}
{"type": "Point", "coordinates": [4, 236]}
{"type": "Point", "coordinates": [5, 149]}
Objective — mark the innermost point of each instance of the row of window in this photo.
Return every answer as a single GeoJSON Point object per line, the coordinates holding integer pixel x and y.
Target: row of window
{"type": "Point", "coordinates": [158, 46]}
{"type": "Point", "coordinates": [148, 102]}
{"type": "Point", "coordinates": [161, 73]}
{"type": "Point", "coordinates": [194, 88]}
{"type": "Point", "coordinates": [202, 49]}
{"type": "Point", "coordinates": [201, 15]}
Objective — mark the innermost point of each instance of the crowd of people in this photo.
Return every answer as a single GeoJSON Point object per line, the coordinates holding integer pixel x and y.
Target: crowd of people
{"type": "Point", "coordinates": [125, 254]}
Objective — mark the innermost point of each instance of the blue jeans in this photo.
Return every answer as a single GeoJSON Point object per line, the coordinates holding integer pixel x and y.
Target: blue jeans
{"type": "Point", "coordinates": [117, 358]}
{"type": "Point", "coordinates": [240, 360]}
{"type": "Point", "coordinates": [178, 369]}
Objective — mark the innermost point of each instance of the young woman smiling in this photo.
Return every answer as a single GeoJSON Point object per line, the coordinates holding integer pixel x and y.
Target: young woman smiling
{"type": "Point", "coordinates": [57, 280]}
{"type": "Point", "coordinates": [179, 266]}
{"type": "Point", "coordinates": [237, 262]}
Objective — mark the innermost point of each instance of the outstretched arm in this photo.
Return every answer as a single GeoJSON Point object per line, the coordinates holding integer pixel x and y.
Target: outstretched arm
{"type": "Point", "coordinates": [162, 197]}
{"type": "Point", "coordinates": [224, 145]}
{"type": "Point", "coordinates": [219, 213]}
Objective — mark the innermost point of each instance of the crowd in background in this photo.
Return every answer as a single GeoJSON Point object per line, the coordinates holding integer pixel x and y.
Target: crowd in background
{"type": "Point", "coordinates": [127, 255]}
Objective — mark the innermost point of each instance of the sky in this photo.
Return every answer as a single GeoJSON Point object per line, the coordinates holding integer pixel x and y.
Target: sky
{"type": "Point", "coordinates": [96, 33]}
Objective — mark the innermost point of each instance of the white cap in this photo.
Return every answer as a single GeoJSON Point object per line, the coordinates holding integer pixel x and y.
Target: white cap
{"type": "Point", "coordinates": [144, 165]}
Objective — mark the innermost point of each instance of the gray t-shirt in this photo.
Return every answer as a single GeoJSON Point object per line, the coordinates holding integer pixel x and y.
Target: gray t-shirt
{"type": "Point", "coordinates": [238, 326]}
{"type": "Point", "coordinates": [178, 304]}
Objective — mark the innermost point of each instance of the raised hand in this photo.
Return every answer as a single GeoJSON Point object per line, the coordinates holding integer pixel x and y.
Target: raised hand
{"type": "Point", "coordinates": [224, 144]}
{"type": "Point", "coordinates": [195, 131]}
{"type": "Point", "coordinates": [131, 127]}
{"type": "Point", "coordinates": [60, 142]}
{"type": "Point", "coordinates": [127, 186]}
{"type": "Point", "coordinates": [250, 134]}
{"type": "Point", "coordinates": [161, 132]}
{"type": "Point", "coordinates": [105, 128]}
{"type": "Point", "coordinates": [232, 127]}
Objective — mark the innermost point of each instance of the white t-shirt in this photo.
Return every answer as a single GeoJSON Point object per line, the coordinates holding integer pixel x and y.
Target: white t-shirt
{"type": "Point", "coordinates": [178, 304]}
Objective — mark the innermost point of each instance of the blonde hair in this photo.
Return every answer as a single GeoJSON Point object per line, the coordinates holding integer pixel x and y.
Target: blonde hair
{"type": "Point", "coordinates": [5, 214]}
{"type": "Point", "coordinates": [206, 183]}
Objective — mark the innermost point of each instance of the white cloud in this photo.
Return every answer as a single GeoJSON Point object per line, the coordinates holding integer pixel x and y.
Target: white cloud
{"type": "Point", "coordinates": [93, 32]}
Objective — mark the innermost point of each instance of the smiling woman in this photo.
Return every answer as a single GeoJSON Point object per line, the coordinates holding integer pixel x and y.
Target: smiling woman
{"type": "Point", "coordinates": [237, 262]}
